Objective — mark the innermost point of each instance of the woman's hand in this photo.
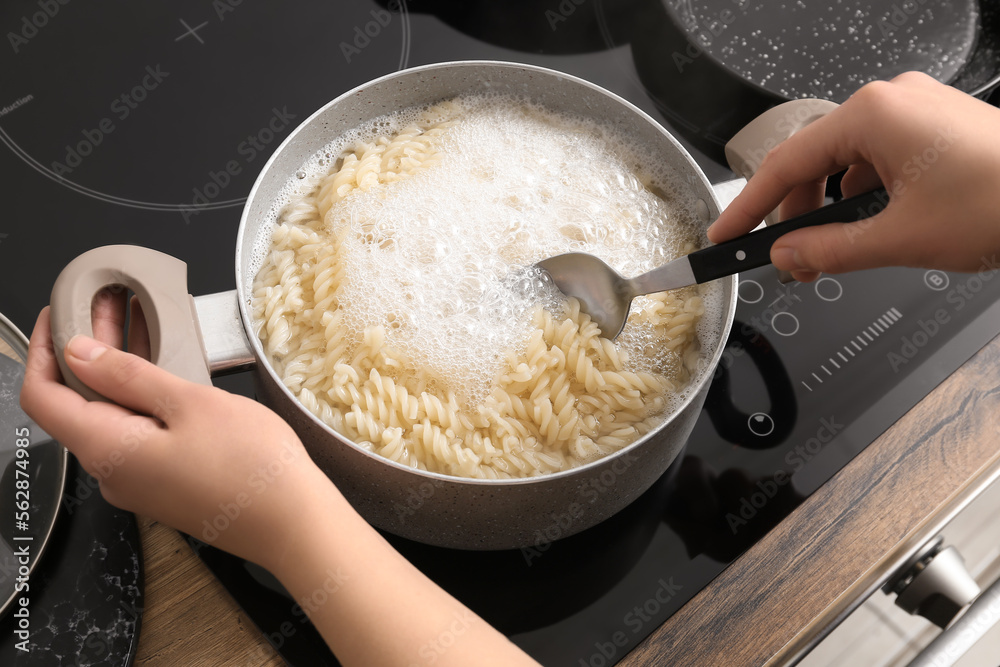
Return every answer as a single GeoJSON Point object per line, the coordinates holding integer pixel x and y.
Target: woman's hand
{"type": "Point", "coordinates": [229, 471]}
{"type": "Point", "coordinates": [218, 466]}
{"type": "Point", "coordinates": [935, 149]}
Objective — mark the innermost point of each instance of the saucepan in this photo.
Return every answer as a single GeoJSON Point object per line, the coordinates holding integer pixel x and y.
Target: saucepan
{"type": "Point", "coordinates": [199, 337]}
{"type": "Point", "coordinates": [713, 66]}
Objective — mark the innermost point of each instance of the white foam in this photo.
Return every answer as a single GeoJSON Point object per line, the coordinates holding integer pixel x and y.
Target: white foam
{"type": "Point", "coordinates": [443, 259]}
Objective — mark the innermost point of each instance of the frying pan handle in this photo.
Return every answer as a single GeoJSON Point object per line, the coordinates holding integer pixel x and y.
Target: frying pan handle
{"type": "Point", "coordinates": [747, 149]}
{"type": "Point", "coordinates": [159, 281]}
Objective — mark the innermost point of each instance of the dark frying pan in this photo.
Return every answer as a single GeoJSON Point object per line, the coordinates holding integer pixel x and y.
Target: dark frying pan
{"type": "Point", "coordinates": [714, 65]}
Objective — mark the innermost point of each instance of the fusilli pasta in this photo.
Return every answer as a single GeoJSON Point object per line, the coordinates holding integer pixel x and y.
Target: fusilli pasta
{"type": "Point", "coordinates": [564, 397]}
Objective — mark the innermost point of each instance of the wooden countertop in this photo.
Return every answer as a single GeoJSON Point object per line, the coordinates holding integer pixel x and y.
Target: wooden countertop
{"type": "Point", "coordinates": [766, 608]}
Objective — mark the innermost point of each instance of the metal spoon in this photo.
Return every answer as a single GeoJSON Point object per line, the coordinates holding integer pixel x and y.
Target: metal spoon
{"type": "Point", "coordinates": [605, 295]}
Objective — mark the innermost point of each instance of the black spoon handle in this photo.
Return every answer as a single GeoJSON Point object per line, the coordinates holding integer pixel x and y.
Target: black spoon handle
{"type": "Point", "coordinates": [754, 249]}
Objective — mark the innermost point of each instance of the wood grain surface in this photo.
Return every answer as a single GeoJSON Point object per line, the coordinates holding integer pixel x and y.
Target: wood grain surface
{"type": "Point", "coordinates": [189, 618]}
{"type": "Point", "coordinates": [803, 576]}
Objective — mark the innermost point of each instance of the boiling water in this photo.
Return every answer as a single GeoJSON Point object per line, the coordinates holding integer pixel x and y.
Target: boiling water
{"type": "Point", "coordinates": [443, 260]}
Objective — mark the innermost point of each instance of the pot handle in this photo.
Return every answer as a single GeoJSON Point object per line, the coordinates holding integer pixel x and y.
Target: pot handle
{"type": "Point", "coordinates": [747, 149]}
{"type": "Point", "coordinates": [159, 281]}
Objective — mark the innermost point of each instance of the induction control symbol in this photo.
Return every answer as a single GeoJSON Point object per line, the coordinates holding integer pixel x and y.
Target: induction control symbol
{"type": "Point", "coordinates": [785, 324]}
{"type": "Point", "coordinates": [936, 280]}
{"type": "Point", "coordinates": [761, 424]}
{"type": "Point", "coordinates": [828, 289]}
{"type": "Point", "coordinates": [750, 291]}
{"type": "Point", "coordinates": [855, 346]}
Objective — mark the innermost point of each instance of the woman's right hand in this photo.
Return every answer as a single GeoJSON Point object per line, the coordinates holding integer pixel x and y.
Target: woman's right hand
{"type": "Point", "coordinates": [935, 149]}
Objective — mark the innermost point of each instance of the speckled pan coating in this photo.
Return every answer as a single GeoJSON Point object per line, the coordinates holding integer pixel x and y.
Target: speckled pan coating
{"type": "Point", "coordinates": [449, 511]}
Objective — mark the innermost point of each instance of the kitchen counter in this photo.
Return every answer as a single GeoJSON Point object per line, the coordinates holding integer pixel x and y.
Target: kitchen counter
{"type": "Point", "coordinates": [766, 608]}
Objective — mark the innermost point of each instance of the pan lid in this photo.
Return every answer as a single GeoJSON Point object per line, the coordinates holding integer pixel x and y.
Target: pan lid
{"type": "Point", "coordinates": [32, 477]}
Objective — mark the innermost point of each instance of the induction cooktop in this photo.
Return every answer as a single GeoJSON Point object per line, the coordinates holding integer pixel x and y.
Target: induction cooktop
{"type": "Point", "coordinates": [148, 123]}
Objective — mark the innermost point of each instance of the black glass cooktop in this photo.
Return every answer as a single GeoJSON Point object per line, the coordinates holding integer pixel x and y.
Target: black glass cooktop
{"type": "Point", "coordinates": [147, 123]}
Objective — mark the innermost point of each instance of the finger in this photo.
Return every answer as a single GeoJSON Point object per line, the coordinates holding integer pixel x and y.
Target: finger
{"type": "Point", "coordinates": [805, 276]}
{"type": "Point", "coordinates": [107, 312]}
{"type": "Point", "coordinates": [128, 379]}
{"type": "Point", "coordinates": [64, 414]}
{"type": "Point", "coordinates": [41, 365]}
{"type": "Point", "coordinates": [860, 178]}
{"type": "Point", "coordinates": [820, 149]}
{"type": "Point", "coordinates": [138, 334]}
{"type": "Point", "coordinates": [802, 199]}
{"type": "Point", "coordinates": [838, 247]}
{"type": "Point", "coordinates": [42, 391]}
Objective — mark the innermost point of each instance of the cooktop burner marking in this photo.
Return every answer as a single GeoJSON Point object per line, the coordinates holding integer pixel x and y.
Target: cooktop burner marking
{"type": "Point", "coordinates": [111, 199]}
{"type": "Point", "coordinates": [404, 59]}
{"type": "Point", "coordinates": [191, 31]}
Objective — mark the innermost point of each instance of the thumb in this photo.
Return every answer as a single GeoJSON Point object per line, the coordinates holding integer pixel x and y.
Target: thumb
{"type": "Point", "coordinates": [837, 247]}
{"type": "Point", "coordinates": [126, 379]}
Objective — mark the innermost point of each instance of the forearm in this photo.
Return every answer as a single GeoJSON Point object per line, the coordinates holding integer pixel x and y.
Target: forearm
{"type": "Point", "coordinates": [371, 605]}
